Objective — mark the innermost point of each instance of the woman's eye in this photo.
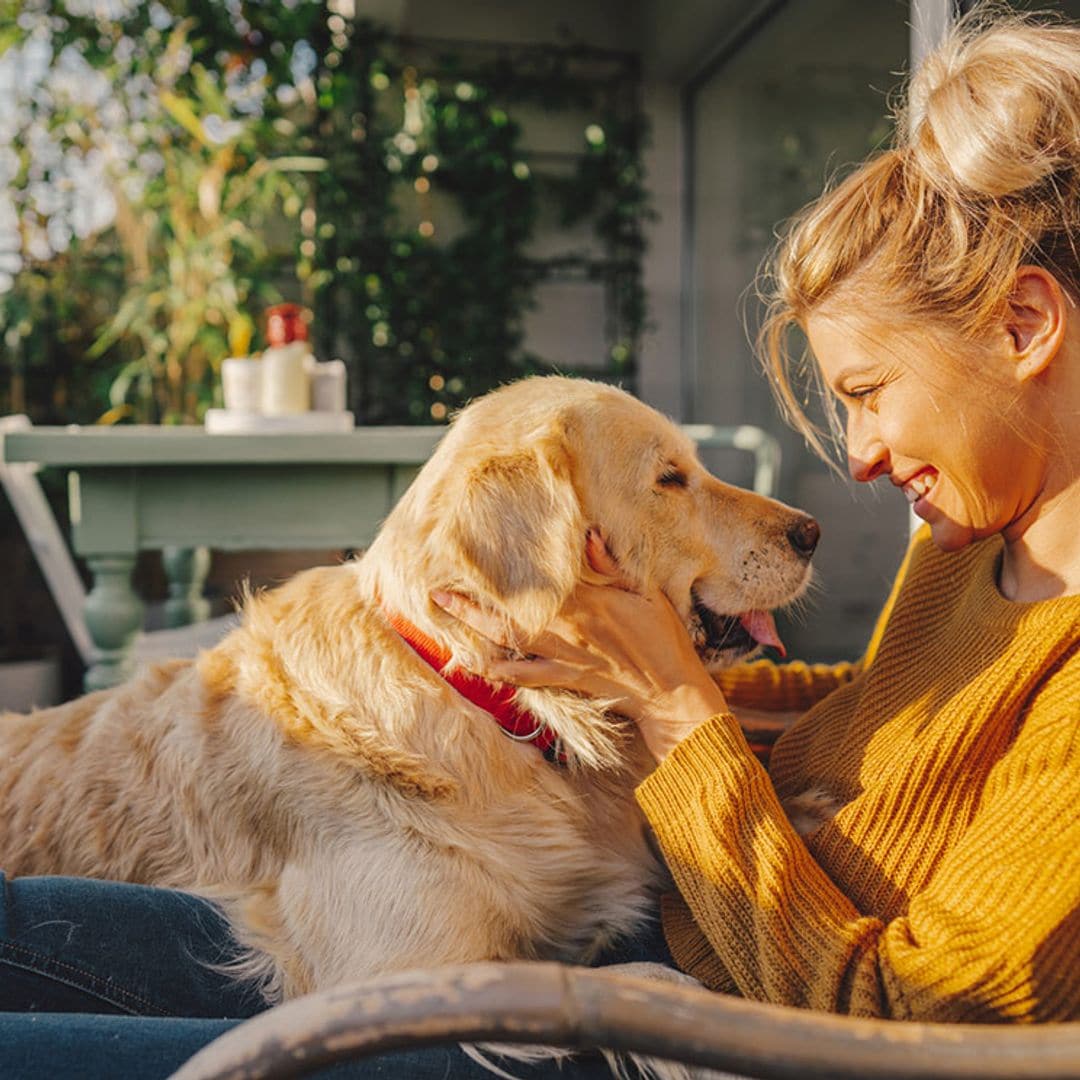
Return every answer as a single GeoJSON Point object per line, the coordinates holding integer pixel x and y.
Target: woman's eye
{"type": "Point", "coordinates": [863, 393]}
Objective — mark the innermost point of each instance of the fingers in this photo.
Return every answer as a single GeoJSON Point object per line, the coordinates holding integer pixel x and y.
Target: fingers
{"type": "Point", "coordinates": [505, 662]}
{"type": "Point", "coordinates": [528, 673]}
{"type": "Point", "coordinates": [463, 609]}
{"type": "Point", "coordinates": [601, 560]}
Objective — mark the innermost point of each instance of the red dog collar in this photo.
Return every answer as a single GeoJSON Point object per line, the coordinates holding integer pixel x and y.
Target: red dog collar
{"type": "Point", "coordinates": [491, 697]}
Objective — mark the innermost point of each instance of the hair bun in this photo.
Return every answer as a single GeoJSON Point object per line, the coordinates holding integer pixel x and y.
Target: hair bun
{"type": "Point", "coordinates": [995, 110]}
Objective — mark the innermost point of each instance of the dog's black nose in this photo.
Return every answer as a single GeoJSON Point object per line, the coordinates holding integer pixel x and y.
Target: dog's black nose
{"type": "Point", "coordinates": [804, 536]}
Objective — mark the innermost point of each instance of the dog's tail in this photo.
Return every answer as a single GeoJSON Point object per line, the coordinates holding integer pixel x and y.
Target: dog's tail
{"type": "Point", "coordinates": [253, 917]}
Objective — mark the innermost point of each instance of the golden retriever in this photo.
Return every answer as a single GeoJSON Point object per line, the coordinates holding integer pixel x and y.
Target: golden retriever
{"type": "Point", "coordinates": [355, 813]}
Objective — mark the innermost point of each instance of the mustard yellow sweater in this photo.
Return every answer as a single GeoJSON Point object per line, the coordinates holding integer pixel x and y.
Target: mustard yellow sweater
{"type": "Point", "coordinates": [947, 887]}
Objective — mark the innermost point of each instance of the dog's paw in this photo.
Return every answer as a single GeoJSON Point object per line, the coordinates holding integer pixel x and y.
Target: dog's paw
{"type": "Point", "coordinates": [810, 810]}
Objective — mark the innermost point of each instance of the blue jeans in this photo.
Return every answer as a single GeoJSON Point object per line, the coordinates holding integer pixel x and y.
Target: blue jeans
{"type": "Point", "coordinates": [101, 980]}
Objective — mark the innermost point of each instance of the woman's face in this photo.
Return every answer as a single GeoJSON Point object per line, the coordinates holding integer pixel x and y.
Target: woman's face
{"type": "Point", "coordinates": [942, 428]}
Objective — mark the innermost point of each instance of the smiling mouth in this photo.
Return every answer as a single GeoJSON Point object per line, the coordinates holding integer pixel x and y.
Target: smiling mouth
{"type": "Point", "coordinates": [919, 486]}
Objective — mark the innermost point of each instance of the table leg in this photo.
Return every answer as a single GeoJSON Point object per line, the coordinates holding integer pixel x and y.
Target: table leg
{"type": "Point", "coordinates": [114, 615]}
{"type": "Point", "coordinates": [186, 569]}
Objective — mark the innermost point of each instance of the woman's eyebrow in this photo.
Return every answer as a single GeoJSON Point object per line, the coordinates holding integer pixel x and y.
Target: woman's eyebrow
{"type": "Point", "coordinates": [851, 371]}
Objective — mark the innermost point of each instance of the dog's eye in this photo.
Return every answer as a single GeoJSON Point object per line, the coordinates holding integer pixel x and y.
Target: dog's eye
{"type": "Point", "coordinates": [672, 478]}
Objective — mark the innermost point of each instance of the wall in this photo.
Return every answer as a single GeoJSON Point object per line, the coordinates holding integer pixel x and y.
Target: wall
{"type": "Point", "coordinates": [568, 325]}
{"type": "Point", "coordinates": [803, 95]}
{"type": "Point", "coordinates": [801, 100]}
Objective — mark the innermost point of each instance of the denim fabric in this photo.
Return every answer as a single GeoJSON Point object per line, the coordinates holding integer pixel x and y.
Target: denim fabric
{"type": "Point", "coordinates": [76, 1046]}
{"type": "Point", "coordinates": [107, 981]}
{"type": "Point", "coordinates": [78, 945]}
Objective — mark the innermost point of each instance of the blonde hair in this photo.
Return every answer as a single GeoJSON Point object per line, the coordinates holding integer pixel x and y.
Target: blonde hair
{"type": "Point", "coordinates": [983, 177]}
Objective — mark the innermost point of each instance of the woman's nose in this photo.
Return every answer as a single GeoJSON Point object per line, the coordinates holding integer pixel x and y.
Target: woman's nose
{"type": "Point", "coordinates": [865, 471]}
{"type": "Point", "coordinates": [868, 457]}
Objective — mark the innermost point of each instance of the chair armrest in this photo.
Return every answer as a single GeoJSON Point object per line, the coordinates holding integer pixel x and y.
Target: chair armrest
{"type": "Point", "coordinates": [586, 1008]}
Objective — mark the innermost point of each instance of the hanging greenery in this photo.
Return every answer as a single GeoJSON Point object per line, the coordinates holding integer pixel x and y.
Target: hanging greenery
{"type": "Point", "coordinates": [415, 245]}
{"type": "Point", "coordinates": [421, 269]}
{"type": "Point", "coordinates": [145, 179]}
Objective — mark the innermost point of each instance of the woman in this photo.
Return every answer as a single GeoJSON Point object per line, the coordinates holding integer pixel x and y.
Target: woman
{"type": "Point", "coordinates": [938, 288]}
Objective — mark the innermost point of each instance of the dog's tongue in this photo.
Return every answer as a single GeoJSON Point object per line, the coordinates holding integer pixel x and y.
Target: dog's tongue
{"type": "Point", "coordinates": [761, 627]}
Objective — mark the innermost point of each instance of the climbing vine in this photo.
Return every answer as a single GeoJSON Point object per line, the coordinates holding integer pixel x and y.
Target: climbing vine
{"type": "Point", "coordinates": [414, 241]}
{"type": "Point", "coordinates": [420, 266]}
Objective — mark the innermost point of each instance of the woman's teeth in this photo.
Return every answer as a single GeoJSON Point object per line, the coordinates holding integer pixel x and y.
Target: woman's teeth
{"type": "Point", "coordinates": [919, 486]}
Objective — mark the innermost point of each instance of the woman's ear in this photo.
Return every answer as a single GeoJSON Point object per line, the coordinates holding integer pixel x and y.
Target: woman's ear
{"type": "Point", "coordinates": [1035, 321]}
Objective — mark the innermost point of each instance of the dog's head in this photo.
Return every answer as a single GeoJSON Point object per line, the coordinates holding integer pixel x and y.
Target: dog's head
{"type": "Point", "coordinates": [502, 510]}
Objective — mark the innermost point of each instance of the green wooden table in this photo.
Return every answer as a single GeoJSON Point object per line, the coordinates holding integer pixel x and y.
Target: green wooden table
{"type": "Point", "coordinates": [184, 491]}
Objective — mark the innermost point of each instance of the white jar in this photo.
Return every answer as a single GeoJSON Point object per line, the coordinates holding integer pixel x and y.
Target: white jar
{"type": "Point", "coordinates": [286, 389]}
{"type": "Point", "coordinates": [328, 390]}
{"type": "Point", "coordinates": [241, 383]}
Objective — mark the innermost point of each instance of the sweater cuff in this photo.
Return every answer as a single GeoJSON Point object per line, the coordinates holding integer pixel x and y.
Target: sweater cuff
{"type": "Point", "coordinates": [690, 948]}
{"type": "Point", "coordinates": [715, 750]}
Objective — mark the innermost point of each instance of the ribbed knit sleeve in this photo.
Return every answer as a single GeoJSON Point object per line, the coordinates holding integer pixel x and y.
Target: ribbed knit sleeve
{"type": "Point", "coordinates": [793, 687]}
{"type": "Point", "coordinates": [994, 935]}
{"type": "Point", "coordinates": [947, 885]}
{"type": "Point", "coordinates": [780, 929]}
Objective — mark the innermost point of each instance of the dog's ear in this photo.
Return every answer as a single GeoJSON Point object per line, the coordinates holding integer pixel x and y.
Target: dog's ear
{"type": "Point", "coordinates": [516, 533]}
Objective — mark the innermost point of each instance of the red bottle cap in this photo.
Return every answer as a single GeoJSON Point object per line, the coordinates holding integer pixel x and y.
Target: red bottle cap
{"type": "Point", "coordinates": [285, 323]}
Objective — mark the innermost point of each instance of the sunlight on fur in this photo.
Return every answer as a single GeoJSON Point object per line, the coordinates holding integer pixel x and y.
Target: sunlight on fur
{"type": "Point", "coordinates": [350, 810]}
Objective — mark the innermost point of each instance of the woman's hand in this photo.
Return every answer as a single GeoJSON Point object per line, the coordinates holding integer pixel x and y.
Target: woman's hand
{"type": "Point", "coordinates": [612, 643]}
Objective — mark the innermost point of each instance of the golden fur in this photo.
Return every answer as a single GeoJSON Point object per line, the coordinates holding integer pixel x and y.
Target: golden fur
{"type": "Point", "coordinates": [352, 812]}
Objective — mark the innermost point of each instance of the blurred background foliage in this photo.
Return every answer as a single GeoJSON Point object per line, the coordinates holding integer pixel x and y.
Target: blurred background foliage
{"type": "Point", "coordinates": [170, 168]}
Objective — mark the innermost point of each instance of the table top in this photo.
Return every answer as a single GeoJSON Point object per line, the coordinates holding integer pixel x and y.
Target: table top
{"type": "Point", "coordinates": [77, 446]}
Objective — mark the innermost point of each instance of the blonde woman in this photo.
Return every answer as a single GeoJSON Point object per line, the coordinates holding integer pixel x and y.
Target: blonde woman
{"type": "Point", "coordinates": [936, 871]}
{"type": "Point", "coordinates": [938, 288]}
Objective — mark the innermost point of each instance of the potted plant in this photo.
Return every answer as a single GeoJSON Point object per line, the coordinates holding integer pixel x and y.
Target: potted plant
{"type": "Point", "coordinates": [193, 238]}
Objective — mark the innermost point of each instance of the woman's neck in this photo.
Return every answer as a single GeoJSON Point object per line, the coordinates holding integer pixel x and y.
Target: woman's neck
{"type": "Point", "coordinates": [1042, 561]}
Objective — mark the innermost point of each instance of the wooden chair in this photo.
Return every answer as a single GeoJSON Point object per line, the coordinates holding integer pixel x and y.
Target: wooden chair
{"type": "Point", "coordinates": [585, 1008]}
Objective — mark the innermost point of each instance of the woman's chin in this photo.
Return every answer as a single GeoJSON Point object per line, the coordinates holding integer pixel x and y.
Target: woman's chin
{"type": "Point", "coordinates": [949, 535]}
